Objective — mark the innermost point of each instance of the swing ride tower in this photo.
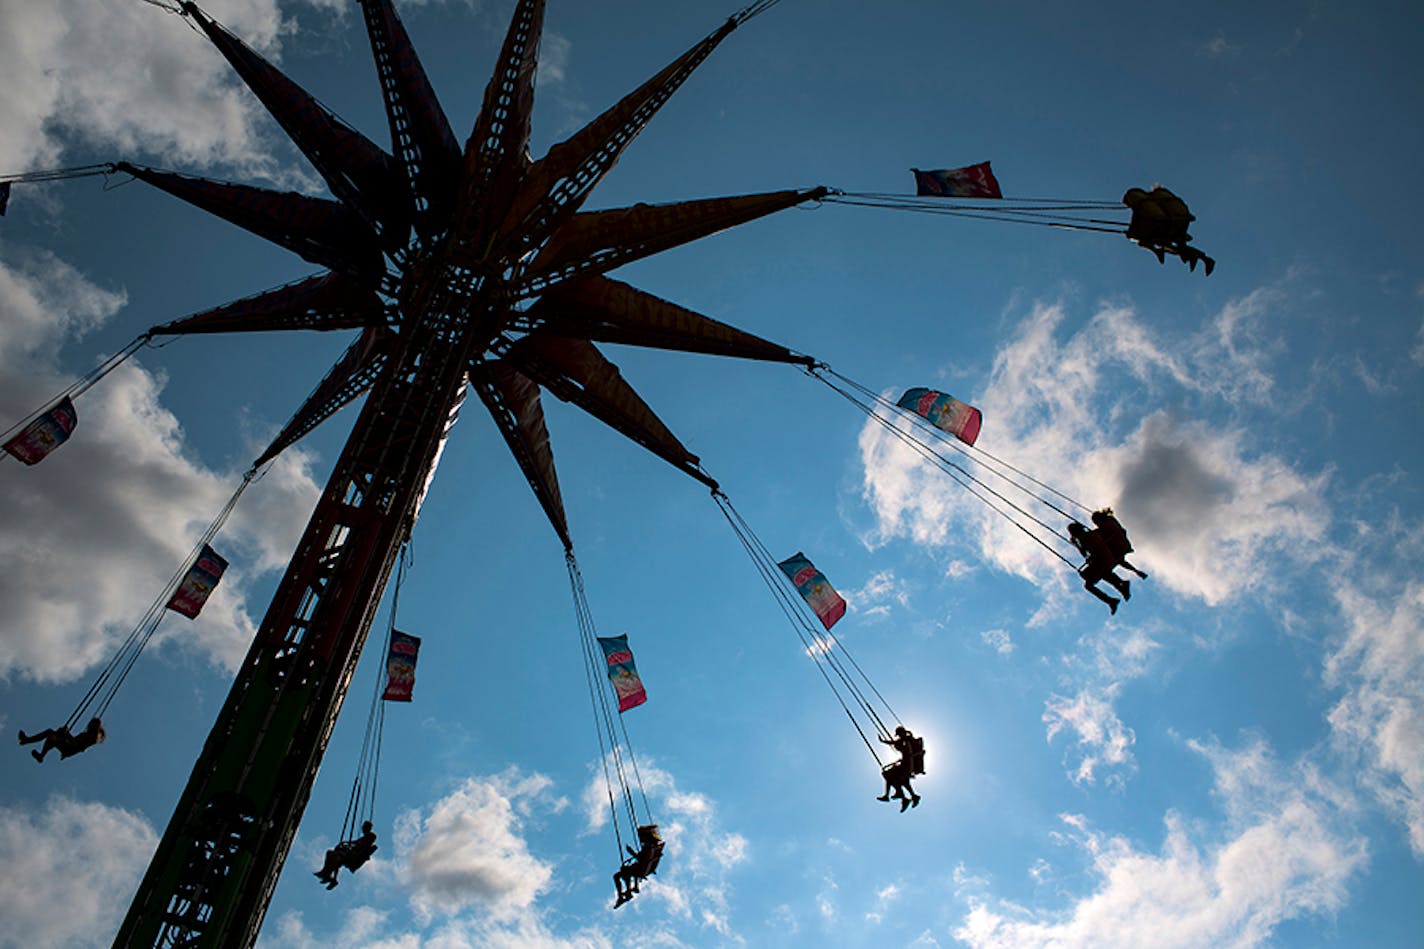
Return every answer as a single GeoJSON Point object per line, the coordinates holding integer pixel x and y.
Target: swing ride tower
{"type": "Point", "coordinates": [462, 268]}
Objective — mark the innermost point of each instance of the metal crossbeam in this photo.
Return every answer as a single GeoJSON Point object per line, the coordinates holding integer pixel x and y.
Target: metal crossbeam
{"type": "Point", "coordinates": [358, 172]}
{"type": "Point", "coordinates": [321, 302]}
{"type": "Point", "coordinates": [513, 402]}
{"type": "Point", "coordinates": [352, 376]}
{"type": "Point", "coordinates": [558, 183]}
{"type": "Point", "coordinates": [598, 241]}
{"type": "Point", "coordinates": [495, 152]}
{"type": "Point", "coordinates": [420, 133]}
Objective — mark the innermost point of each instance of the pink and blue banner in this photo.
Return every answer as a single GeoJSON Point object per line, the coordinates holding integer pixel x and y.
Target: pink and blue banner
{"type": "Point", "coordinates": [971, 181]}
{"type": "Point", "coordinates": [622, 672]}
{"type": "Point", "coordinates": [44, 434]}
{"type": "Point", "coordinates": [400, 667]}
{"type": "Point", "coordinates": [945, 412]}
{"type": "Point", "coordinates": [825, 602]}
{"type": "Point", "coordinates": [202, 577]}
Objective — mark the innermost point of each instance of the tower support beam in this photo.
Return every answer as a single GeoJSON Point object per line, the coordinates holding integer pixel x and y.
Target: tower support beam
{"type": "Point", "coordinates": [217, 864]}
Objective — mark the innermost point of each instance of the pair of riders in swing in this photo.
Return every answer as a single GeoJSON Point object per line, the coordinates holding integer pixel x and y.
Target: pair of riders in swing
{"type": "Point", "coordinates": [897, 774]}
{"type": "Point", "coordinates": [1105, 548]}
{"type": "Point", "coordinates": [1159, 223]}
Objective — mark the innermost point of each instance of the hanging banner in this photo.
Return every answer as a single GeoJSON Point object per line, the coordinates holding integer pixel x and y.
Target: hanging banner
{"type": "Point", "coordinates": [400, 667]}
{"type": "Point", "coordinates": [945, 412]}
{"type": "Point", "coordinates": [826, 603]}
{"type": "Point", "coordinates": [202, 577]}
{"type": "Point", "coordinates": [971, 181]}
{"type": "Point", "coordinates": [622, 672]}
{"type": "Point", "coordinates": [44, 434]}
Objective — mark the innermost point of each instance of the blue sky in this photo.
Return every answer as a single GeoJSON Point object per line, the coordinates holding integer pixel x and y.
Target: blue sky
{"type": "Point", "coordinates": [1235, 759]}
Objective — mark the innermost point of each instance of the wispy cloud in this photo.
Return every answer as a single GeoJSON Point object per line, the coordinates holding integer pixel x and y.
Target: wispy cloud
{"type": "Point", "coordinates": [999, 640]}
{"type": "Point", "coordinates": [1416, 352]}
{"type": "Point", "coordinates": [554, 50]}
{"type": "Point", "coordinates": [885, 898]}
{"type": "Point", "coordinates": [1282, 855]}
{"type": "Point", "coordinates": [1379, 665]}
{"type": "Point", "coordinates": [1218, 47]}
{"type": "Point", "coordinates": [1094, 675]}
{"type": "Point", "coordinates": [1101, 739]}
{"type": "Point", "coordinates": [876, 596]}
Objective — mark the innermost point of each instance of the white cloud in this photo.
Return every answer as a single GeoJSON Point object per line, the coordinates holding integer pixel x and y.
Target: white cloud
{"type": "Point", "coordinates": [826, 901]}
{"type": "Point", "coordinates": [1380, 664]}
{"type": "Point", "coordinates": [1219, 521]}
{"type": "Point", "coordinates": [1218, 47]}
{"type": "Point", "coordinates": [129, 77]}
{"type": "Point", "coordinates": [361, 928]}
{"type": "Point", "coordinates": [467, 849]}
{"type": "Point", "coordinates": [46, 302]}
{"type": "Point", "coordinates": [1374, 382]}
{"type": "Point", "coordinates": [965, 879]}
{"type": "Point", "coordinates": [1101, 738]}
{"type": "Point", "coordinates": [958, 569]}
{"type": "Point", "coordinates": [878, 593]}
{"type": "Point", "coordinates": [1210, 512]}
{"type": "Point", "coordinates": [1117, 655]}
{"type": "Point", "coordinates": [368, 928]}
{"type": "Point", "coordinates": [1101, 742]}
{"type": "Point", "coordinates": [66, 871]}
{"type": "Point", "coordinates": [1281, 858]}
{"type": "Point", "coordinates": [1232, 359]}
{"type": "Point", "coordinates": [94, 531]}
{"type": "Point", "coordinates": [554, 52]}
{"type": "Point", "coordinates": [998, 640]}
{"type": "Point", "coordinates": [885, 897]}
{"type": "Point", "coordinates": [336, 8]}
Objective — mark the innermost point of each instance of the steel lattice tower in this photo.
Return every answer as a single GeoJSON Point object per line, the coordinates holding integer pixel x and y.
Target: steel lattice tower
{"type": "Point", "coordinates": [462, 268]}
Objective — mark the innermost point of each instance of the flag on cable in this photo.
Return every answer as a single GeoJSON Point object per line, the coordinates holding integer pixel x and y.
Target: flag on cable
{"type": "Point", "coordinates": [825, 602]}
{"type": "Point", "coordinates": [44, 434]}
{"type": "Point", "coordinates": [4, 197]}
{"type": "Point", "coordinates": [622, 672]}
{"type": "Point", "coordinates": [400, 667]}
{"type": "Point", "coordinates": [944, 411]}
{"type": "Point", "coordinates": [971, 181]}
{"type": "Point", "coordinates": [202, 577]}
